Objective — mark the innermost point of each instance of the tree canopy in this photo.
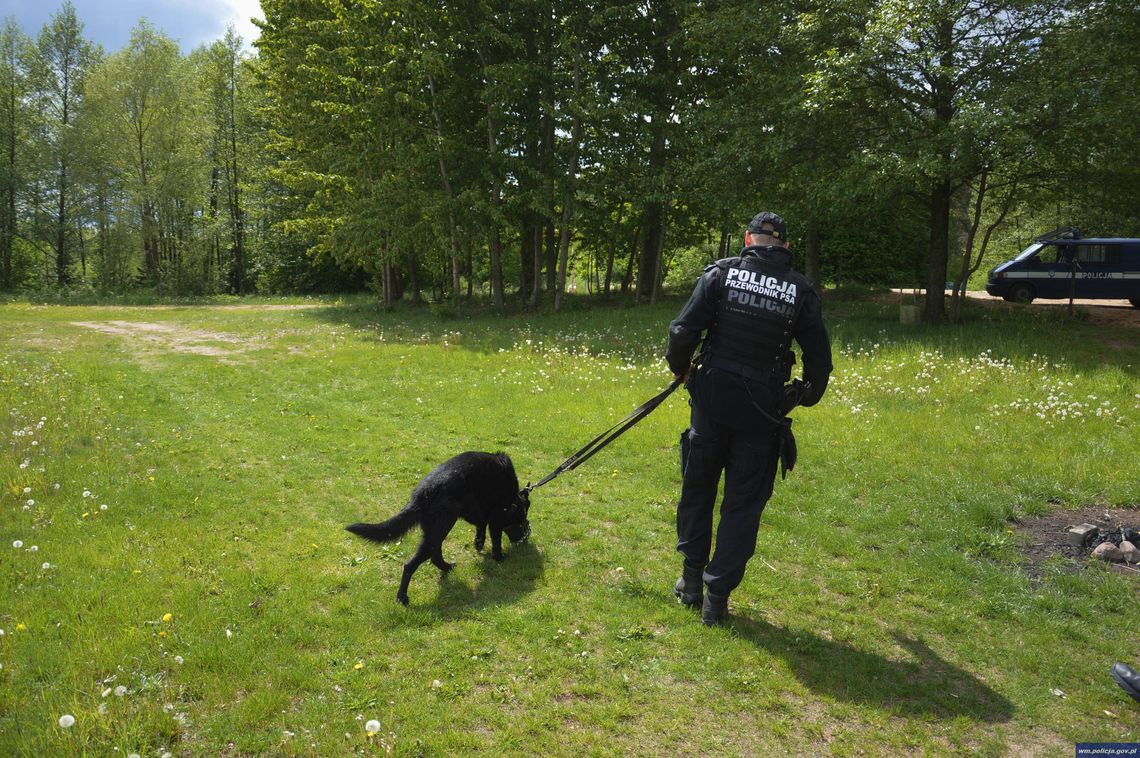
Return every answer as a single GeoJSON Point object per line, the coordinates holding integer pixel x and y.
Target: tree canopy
{"type": "Point", "coordinates": [522, 150]}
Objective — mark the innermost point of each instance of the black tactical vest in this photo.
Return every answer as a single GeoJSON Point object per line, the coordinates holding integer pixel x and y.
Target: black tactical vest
{"type": "Point", "coordinates": [758, 306]}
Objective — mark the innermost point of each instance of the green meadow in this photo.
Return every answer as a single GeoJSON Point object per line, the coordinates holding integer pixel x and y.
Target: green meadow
{"type": "Point", "coordinates": [175, 576]}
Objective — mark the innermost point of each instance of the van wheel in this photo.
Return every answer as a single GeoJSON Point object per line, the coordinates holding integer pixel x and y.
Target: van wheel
{"type": "Point", "coordinates": [1022, 293]}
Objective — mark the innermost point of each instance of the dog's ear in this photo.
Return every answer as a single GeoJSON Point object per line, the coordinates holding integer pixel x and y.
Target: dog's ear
{"type": "Point", "coordinates": [523, 500]}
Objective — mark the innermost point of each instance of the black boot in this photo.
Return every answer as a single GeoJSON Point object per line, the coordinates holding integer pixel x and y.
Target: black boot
{"type": "Point", "coordinates": [1128, 680]}
{"type": "Point", "coordinates": [690, 586]}
{"type": "Point", "coordinates": [714, 610]}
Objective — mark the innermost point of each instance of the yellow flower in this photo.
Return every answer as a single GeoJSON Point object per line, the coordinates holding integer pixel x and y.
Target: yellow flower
{"type": "Point", "coordinates": [162, 633]}
{"type": "Point", "coordinates": [359, 665]}
{"type": "Point", "coordinates": [168, 617]}
{"type": "Point", "coordinates": [20, 627]}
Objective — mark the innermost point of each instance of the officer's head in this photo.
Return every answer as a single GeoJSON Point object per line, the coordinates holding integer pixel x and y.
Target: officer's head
{"type": "Point", "coordinates": [766, 229]}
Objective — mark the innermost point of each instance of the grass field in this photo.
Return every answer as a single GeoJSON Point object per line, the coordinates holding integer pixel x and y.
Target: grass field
{"type": "Point", "coordinates": [175, 575]}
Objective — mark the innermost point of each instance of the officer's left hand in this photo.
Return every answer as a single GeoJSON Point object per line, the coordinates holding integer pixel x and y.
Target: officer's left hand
{"type": "Point", "coordinates": [793, 392]}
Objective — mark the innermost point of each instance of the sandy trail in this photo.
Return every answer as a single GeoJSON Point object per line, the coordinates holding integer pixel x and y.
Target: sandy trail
{"type": "Point", "coordinates": [172, 337]}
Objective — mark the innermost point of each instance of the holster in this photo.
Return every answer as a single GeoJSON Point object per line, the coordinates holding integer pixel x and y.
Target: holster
{"type": "Point", "coordinates": [684, 450]}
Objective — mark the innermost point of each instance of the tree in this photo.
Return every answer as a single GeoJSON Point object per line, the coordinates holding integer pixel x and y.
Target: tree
{"type": "Point", "coordinates": [14, 50]}
{"type": "Point", "coordinates": [922, 72]}
{"type": "Point", "coordinates": [148, 110]}
{"type": "Point", "coordinates": [224, 82]}
{"type": "Point", "coordinates": [60, 64]}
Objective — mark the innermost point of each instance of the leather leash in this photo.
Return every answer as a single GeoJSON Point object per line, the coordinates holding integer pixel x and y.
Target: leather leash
{"type": "Point", "coordinates": [606, 437]}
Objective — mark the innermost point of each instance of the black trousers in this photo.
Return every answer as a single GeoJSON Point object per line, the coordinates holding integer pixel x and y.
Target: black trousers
{"type": "Point", "coordinates": [747, 457]}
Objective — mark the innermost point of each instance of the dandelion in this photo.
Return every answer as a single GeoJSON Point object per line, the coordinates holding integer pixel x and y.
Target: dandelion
{"type": "Point", "coordinates": [86, 493]}
{"type": "Point", "coordinates": [120, 691]}
{"type": "Point", "coordinates": [27, 490]}
{"type": "Point", "coordinates": [178, 659]}
{"type": "Point", "coordinates": [34, 548]}
{"type": "Point", "coordinates": [67, 721]}
{"type": "Point", "coordinates": [30, 503]}
{"type": "Point", "coordinates": [168, 617]}
{"type": "Point", "coordinates": [229, 634]}
{"type": "Point", "coordinates": [372, 727]}
{"type": "Point", "coordinates": [359, 665]}
{"type": "Point", "coordinates": [103, 507]}
{"type": "Point", "coordinates": [17, 544]}
{"type": "Point", "coordinates": [46, 566]}
{"type": "Point", "coordinates": [21, 626]}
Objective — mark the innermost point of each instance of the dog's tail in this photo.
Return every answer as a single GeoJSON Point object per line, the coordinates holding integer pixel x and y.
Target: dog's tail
{"type": "Point", "coordinates": [390, 530]}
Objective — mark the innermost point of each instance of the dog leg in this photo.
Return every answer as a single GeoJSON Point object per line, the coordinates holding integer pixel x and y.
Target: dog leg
{"type": "Point", "coordinates": [496, 542]}
{"type": "Point", "coordinates": [435, 537]}
{"type": "Point", "coordinates": [480, 536]}
{"type": "Point", "coordinates": [439, 562]}
{"type": "Point", "coordinates": [423, 552]}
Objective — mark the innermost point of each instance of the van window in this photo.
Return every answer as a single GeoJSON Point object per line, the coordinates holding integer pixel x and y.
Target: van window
{"type": "Point", "coordinates": [1098, 253]}
{"type": "Point", "coordinates": [1029, 251]}
{"type": "Point", "coordinates": [1049, 255]}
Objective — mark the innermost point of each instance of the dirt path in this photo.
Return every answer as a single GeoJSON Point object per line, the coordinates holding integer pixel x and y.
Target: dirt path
{"type": "Point", "coordinates": [1116, 313]}
{"type": "Point", "coordinates": [172, 337]}
{"type": "Point", "coordinates": [1113, 313]}
{"type": "Point", "coordinates": [207, 306]}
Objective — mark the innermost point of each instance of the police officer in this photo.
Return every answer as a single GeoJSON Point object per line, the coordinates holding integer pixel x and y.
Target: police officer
{"type": "Point", "coordinates": [749, 309]}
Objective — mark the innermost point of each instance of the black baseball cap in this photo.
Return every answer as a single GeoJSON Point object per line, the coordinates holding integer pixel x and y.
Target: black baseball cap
{"type": "Point", "coordinates": [774, 223]}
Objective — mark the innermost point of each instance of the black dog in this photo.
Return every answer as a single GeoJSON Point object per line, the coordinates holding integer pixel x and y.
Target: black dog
{"type": "Point", "coordinates": [479, 487]}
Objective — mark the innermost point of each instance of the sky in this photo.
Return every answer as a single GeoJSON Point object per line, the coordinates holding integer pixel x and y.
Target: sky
{"type": "Point", "coordinates": [109, 22]}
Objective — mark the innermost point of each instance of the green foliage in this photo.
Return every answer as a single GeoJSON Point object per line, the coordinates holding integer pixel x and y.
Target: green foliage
{"type": "Point", "coordinates": [445, 150]}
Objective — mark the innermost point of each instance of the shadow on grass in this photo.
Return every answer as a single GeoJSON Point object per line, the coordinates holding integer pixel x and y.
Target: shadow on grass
{"type": "Point", "coordinates": [926, 685]}
{"type": "Point", "coordinates": [499, 583]}
{"type": "Point", "coordinates": [597, 327]}
{"type": "Point", "coordinates": [614, 328]}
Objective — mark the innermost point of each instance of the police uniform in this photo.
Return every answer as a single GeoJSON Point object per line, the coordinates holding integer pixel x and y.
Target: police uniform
{"type": "Point", "coordinates": [751, 307]}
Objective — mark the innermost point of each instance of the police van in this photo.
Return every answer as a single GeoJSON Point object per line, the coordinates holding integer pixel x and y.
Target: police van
{"type": "Point", "coordinates": [1060, 265]}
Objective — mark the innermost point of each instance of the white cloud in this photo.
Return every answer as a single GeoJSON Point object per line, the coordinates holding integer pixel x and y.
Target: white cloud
{"type": "Point", "coordinates": [240, 12]}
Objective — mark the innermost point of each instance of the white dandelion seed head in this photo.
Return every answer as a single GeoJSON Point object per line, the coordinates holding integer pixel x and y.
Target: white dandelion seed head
{"type": "Point", "coordinates": [178, 659]}
{"type": "Point", "coordinates": [67, 721]}
{"type": "Point", "coordinates": [103, 507]}
{"type": "Point", "coordinates": [34, 548]}
{"type": "Point", "coordinates": [17, 544]}
{"type": "Point", "coordinates": [120, 691]}
{"type": "Point", "coordinates": [372, 726]}
{"type": "Point", "coordinates": [45, 567]}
